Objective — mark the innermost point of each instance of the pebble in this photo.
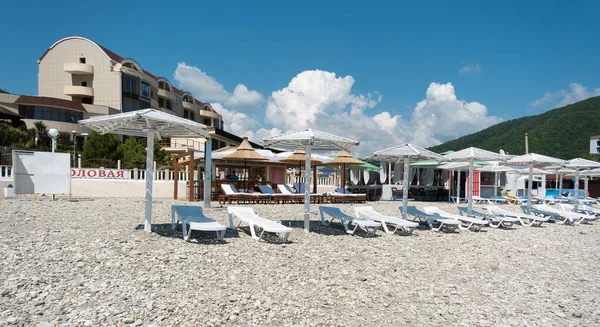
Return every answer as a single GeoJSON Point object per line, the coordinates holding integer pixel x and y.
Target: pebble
{"type": "Point", "coordinates": [88, 263]}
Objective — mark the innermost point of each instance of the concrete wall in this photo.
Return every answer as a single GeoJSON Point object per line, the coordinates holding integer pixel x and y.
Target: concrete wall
{"type": "Point", "coordinates": [52, 77]}
{"type": "Point", "coordinates": [124, 189]}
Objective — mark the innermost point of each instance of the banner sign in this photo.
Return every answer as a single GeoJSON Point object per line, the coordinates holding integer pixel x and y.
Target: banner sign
{"type": "Point", "coordinates": [89, 173]}
{"type": "Point", "coordinates": [145, 91]}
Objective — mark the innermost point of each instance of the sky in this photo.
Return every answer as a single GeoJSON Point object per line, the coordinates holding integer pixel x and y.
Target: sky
{"type": "Point", "coordinates": [380, 72]}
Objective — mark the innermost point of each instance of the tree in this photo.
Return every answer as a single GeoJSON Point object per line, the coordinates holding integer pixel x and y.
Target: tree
{"type": "Point", "coordinates": [100, 146]}
{"type": "Point", "coordinates": [4, 91]}
{"type": "Point", "coordinates": [132, 154]}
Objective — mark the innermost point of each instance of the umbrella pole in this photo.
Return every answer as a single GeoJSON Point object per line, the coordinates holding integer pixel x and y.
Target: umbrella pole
{"type": "Point", "coordinates": [405, 188]}
{"type": "Point", "coordinates": [585, 185]}
{"type": "Point", "coordinates": [207, 172]}
{"type": "Point", "coordinates": [307, 190]}
{"type": "Point", "coordinates": [458, 188]}
{"type": "Point", "coordinates": [576, 186]}
{"type": "Point", "coordinates": [470, 186]}
{"type": "Point", "coordinates": [389, 173]}
{"type": "Point", "coordinates": [529, 188]}
{"type": "Point", "coordinates": [495, 184]}
{"type": "Point", "coordinates": [343, 179]}
{"type": "Point", "coordinates": [149, 181]}
{"type": "Point", "coordinates": [560, 185]}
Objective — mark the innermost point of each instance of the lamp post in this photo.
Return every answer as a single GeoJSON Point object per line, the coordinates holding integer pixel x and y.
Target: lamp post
{"type": "Point", "coordinates": [53, 133]}
{"type": "Point", "coordinates": [75, 146]}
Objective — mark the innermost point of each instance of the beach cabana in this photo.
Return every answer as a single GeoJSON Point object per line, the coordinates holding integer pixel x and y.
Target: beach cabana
{"type": "Point", "coordinates": [151, 123]}
{"type": "Point", "coordinates": [533, 159]}
{"type": "Point", "coordinates": [310, 139]}
{"type": "Point", "coordinates": [471, 155]}
{"type": "Point", "coordinates": [580, 164]}
{"type": "Point", "coordinates": [405, 152]}
{"type": "Point", "coordinates": [245, 152]}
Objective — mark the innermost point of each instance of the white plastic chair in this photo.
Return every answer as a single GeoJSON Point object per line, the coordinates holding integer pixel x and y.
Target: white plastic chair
{"type": "Point", "coordinates": [192, 218]}
{"type": "Point", "coordinates": [407, 227]}
{"type": "Point", "coordinates": [449, 225]}
{"type": "Point", "coordinates": [494, 221]}
{"type": "Point", "coordinates": [368, 226]}
{"type": "Point", "coordinates": [524, 219]}
{"type": "Point", "coordinates": [472, 223]}
{"type": "Point", "coordinates": [248, 216]}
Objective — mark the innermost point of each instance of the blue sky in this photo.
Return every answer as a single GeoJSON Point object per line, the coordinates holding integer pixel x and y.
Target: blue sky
{"type": "Point", "coordinates": [517, 58]}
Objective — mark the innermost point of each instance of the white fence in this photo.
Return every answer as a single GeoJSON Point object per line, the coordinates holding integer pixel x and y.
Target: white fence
{"type": "Point", "coordinates": [140, 174]}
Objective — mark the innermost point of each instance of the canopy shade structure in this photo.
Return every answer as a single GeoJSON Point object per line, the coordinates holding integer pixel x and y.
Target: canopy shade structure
{"type": "Point", "coordinates": [580, 164]}
{"type": "Point", "coordinates": [345, 158]}
{"type": "Point", "coordinates": [405, 152]}
{"type": "Point", "coordinates": [309, 139]}
{"type": "Point", "coordinates": [245, 152]}
{"type": "Point", "coordinates": [366, 166]}
{"type": "Point", "coordinates": [471, 155]}
{"type": "Point", "coordinates": [152, 123]}
{"type": "Point", "coordinates": [297, 157]}
{"type": "Point", "coordinates": [533, 159]}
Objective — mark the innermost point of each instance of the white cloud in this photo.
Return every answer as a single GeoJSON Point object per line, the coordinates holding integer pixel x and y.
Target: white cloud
{"type": "Point", "coordinates": [207, 88]}
{"type": "Point", "coordinates": [575, 93]}
{"type": "Point", "coordinates": [242, 125]}
{"type": "Point", "coordinates": [470, 68]}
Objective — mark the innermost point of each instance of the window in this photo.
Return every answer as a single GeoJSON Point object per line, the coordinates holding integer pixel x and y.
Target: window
{"type": "Point", "coordinates": [82, 60]}
{"type": "Point", "coordinates": [192, 115]}
{"type": "Point", "coordinates": [215, 123]}
{"type": "Point", "coordinates": [50, 114]}
{"type": "Point", "coordinates": [169, 105]}
{"type": "Point", "coordinates": [207, 122]}
{"type": "Point", "coordinates": [185, 114]}
{"type": "Point", "coordinates": [161, 102]}
{"type": "Point", "coordinates": [83, 83]}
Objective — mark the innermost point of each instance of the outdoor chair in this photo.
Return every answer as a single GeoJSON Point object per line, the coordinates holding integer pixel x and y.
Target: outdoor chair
{"type": "Point", "coordinates": [248, 216]}
{"type": "Point", "coordinates": [192, 218]}
{"type": "Point", "coordinates": [406, 226]}
{"type": "Point", "coordinates": [368, 226]}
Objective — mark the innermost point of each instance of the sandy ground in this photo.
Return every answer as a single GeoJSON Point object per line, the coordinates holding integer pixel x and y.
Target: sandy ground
{"type": "Point", "coordinates": [87, 263]}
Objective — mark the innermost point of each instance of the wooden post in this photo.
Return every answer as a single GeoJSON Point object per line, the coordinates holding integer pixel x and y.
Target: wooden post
{"type": "Point", "coordinates": [314, 179]}
{"type": "Point", "coordinates": [175, 176]}
{"type": "Point", "coordinates": [191, 179]}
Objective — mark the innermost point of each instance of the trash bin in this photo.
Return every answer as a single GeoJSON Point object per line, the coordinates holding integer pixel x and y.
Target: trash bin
{"type": "Point", "coordinates": [9, 192]}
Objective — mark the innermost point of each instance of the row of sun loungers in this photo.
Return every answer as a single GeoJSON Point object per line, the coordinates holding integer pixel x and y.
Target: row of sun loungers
{"type": "Point", "coordinates": [368, 219]}
{"type": "Point", "coordinates": [285, 195]}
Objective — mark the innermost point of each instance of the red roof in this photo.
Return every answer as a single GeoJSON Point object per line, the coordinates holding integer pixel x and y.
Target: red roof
{"type": "Point", "coordinates": [49, 102]}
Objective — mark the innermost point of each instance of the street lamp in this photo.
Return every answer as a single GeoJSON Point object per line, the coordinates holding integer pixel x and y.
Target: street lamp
{"type": "Point", "coordinates": [75, 146]}
{"type": "Point", "coordinates": [53, 133]}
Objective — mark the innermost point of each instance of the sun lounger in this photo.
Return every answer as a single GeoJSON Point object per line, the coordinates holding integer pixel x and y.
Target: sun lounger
{"type": "Point", "coordinates": [285, 189]}
{"type": "Point", "coordinates": [524, 219]}
{"type": "Point", "coordinates": [567, 216]}
{"type": "Point", "coordinates": [583, 208]}
{"type": "Point", "coordinates": [276, 197]}
{"type": "Point", "coordinates": [192, 218]}
{"type": "Point", "coordinates": [232, 194]}
{"type": "Point", "coordinates": [446, 224]}
{"type": "Point", "coordinates": [335, 213]}
{"type": "Point", "coordinates": [247, 215]}
{"type": "Point", "coordinates": [341, 195]}
{"type": "Point", "coordinates": [406, 226]}
{"type": "Point", "coordinates": [471, 223]}
{"type": "Point", "coordinates": [495, 221]}
{"type": "Point", "coordinates": [543, 213]}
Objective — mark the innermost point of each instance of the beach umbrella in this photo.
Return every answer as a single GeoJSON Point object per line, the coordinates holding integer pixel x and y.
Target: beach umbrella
{"type": "Point", "coordinates": [533, 159]}
{"type": "Point", "coordinates": [342, 159]}
{"type": "Point", "coordinates": [152, 124]}
{"type": "Point", "coordinates": [471, 155]}
{"type": "Point", "coordinates": [245, 152]}
{"type": "Point", "coordinates": [458, 166]}
{"type": "Point", "coordinates": [580, 164]}
{"type": "Point", "coordinates": [310, 139]}
{"type": "Point", "coordinates": [405, 152]}
{"type": "Point", "coordinates": [297, 157]}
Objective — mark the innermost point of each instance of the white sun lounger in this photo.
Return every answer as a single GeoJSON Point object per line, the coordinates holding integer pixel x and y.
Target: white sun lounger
{"type": "Point", "coordinates": [569, 217]}
{"type": "Point", "coordinates": [407, 227]}
{"type": "Point", "coordinates": [368, 225]}
{"type": "Point", "coordinates": [524, 219]}
{"type": "Point", "coordinates": [583, 208]}
{"type": "Point", "coordinates": [449, 225]}
{"type": "Point", "coordinates": [192, 218]}
{"type": "Point", "coordinates": [247, 215]}
{"type": "Point", "coordinates": [494, 221]}
{"type": "Point", "coordinates": [471, 223]}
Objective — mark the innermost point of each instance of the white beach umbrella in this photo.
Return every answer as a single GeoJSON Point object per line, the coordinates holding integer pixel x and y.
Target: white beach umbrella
{"type": "Point", "coordinates": [310, 139]}
{"type": "Point", "coordinates": [406, 152]}
{"type": "Point", "coordinates": [152, 123]}
{"type": "Point", "coordinates": [471, 155]}
{"type": "Point", "coordinates": [533, 159]}
{"type": "Point", "coordinates": [580, 164]}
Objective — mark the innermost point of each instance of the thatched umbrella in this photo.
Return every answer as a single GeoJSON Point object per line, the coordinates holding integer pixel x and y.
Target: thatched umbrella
{"type": "Point", "coordinates": [344, 158]}
{"type": "Point", "coordinates": [245, 152]}
{"type": "Point", "coordinates": [299, 157]}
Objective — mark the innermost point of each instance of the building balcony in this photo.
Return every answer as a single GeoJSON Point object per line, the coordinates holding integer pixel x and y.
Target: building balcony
{"type": "Point", "coordinates": [166, 94]}
{"type": "Point", "coordinates": [209, 114]}
{"type": "Point", "coordinates": [76, 68]}
{"type": "Point", "coordinates": [79, 91]}
{"type": "Point", "coordinates": [189, 106]}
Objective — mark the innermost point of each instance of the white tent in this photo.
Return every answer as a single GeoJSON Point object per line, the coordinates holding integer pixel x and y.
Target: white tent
{"type": "Point", "coordinates": [471, 155]}
{"type": "Point", "coordinates": [579, 164]}
{"type": "Point", "coordinates": [310, 139]}
{"type": "Point", "coordinates": [405, 152]}
{"type": "Point", "coordinates": [152, 123]}
{"type": "Point", "coordinates": [533, 159]}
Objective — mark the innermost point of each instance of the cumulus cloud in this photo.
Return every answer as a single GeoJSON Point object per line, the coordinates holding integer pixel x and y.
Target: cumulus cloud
{"type": "Point", "coordinates": [561, 98]}
{"type": "Point", "coordinates": [470, 68]}
{"type": "Point", "coordinates": [208, 89]}
{"type": "Point", "coordinates": [242, 125]}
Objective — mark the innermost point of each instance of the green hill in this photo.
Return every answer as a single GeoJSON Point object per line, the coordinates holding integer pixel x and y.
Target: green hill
{"type": "Point", "coordinates": [563, 133]}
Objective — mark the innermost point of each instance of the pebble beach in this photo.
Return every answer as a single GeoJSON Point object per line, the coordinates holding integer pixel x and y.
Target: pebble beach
{"type": "Point", "coordinates": [89, 263]}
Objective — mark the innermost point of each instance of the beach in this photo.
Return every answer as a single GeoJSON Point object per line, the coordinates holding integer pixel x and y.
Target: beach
{"type": "Point", "coordinates": [89, 263]}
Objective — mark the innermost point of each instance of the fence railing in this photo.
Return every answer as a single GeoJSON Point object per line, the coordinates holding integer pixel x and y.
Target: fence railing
{"type": "Point", "coordinates": [6, 173]}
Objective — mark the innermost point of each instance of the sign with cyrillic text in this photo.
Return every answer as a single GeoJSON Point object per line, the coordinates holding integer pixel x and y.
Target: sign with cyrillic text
{"type": "Point", "coordinates": [87, 173]}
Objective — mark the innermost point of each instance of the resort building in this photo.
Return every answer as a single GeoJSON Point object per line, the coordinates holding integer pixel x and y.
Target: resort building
{"type": "Point", "coordinates": [595, 144]}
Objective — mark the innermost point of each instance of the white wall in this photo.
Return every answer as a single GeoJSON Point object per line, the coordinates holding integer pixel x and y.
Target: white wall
{"type": "Point", "coordinates": [124, 189]}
